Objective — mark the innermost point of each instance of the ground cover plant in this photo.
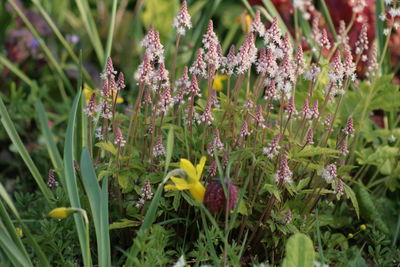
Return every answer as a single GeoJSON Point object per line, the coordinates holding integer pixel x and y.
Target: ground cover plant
{"type": "Point", "coordinates": [266, 137]}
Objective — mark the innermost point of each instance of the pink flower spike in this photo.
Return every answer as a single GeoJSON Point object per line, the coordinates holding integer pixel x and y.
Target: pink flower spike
{"type": "Point", "coordinates": [183, 20]}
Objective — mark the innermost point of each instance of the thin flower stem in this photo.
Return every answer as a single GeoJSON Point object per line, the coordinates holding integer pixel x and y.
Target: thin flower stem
{"type": "Point", "coordinates": [178, 38]}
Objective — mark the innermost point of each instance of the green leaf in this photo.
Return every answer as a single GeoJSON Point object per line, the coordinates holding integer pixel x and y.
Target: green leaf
{"type": "Point", "coordinates": [311, 151]}
{"type": "Point", "coordinates": [273, 190]}
{"type": "Point", "coordinates": [16, 140]}
{"type": "Point", "coordinates": [350, 194]}
{"type": "Point", "coordinates": [95, 197]}
{"type": "Point", "coordinates": [70, 176]}
{"type": "Point", "coordinates": [124, 223]}
{"type": "Point", "coordinates": [242, 209]}
{"type": "Point", "coordinates": [49, 139]}
{"type": "Point", "coordinates": [160, 13]}
{"type": "Point", "coordinates": [368, 208]}
{"type": "Point", "coordinates": [299, 251]}
{"type": "Point", "coordinates": [125, 183]}
{"type": "Point", "coordinates": [107, 146]}
{"type": "Point", "coordinates": [8, 223]}
{"type": "Point", "coordinates": [303, 183]}
{"type": "Point", "coordinates": [170, 148]}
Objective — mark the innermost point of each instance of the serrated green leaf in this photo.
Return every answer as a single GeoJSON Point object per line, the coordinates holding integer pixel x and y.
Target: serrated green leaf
{"type": "Point", "coordinates": [350, 194]}
{"type": "Point", "coordinates": [273, 190]}
{"type": "Point", "coordinates": [125, 183]}
{"type": "Point", "coordinates": [311, 151]}
{"type": "Point", "coordinates": [107, 146]}
{"type": "Point", "coordinates": [303, 183]}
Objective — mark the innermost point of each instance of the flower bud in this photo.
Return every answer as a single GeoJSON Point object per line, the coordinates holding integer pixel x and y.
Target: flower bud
{"type": "Point", "coordinates": [214, 197]}
{"type": "Point", "coordinates": [61, 213]}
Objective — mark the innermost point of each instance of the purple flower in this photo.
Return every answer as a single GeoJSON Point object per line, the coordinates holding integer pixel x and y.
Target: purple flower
{"type": "Point", "coordinates": [257, 26]}
{"type": "Point", "coordinates": [199, 67]}
{"type": "Point", "coordinates": [159, 149]}
{"type": "Point", "coordinates": [215, 144]}
{"type": "Point", "coordinates": [349, 130]}
{"type": "Point", "coordinates": [118, 138]}
{"type": "Point", "coordinates": [284, 174]}
{"type": "Point", "coordinates": [214, 197]}
{"type": "Point", "coordinates": [72, 38]}
{"type": "Point", "coordinates": [245, 130]}
{"type": "Point", "coordinates": [183, 20]}
{"type": "Point", "coordinates": [329, 173]}
{"type": "Point", "coordinates": [272, 148]}
{"type": "Point", "coordinates": [51, 182]}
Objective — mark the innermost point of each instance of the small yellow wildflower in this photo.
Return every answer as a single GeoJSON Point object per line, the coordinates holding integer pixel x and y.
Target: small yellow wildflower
{"type": "Point", "coordinates": [350, 235]}
{"type": "Point", "coordinates": [218, 82]}
{"type": "Point", "coordinates": [192, 182]}
{"type": "Point", "coordinates": [89, 91]}
{"type": "Point", "coordinates": [363, 227]}
{"type": "Point", "coordinates": [245, 20]}
{"type": "Point", "coordinates": [19, 231]}
{"type": "Point", "coordinates": [61, 213]}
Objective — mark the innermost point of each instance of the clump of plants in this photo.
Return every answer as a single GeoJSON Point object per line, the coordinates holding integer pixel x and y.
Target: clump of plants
{"type": "Point", "coordinates": [224, 158]}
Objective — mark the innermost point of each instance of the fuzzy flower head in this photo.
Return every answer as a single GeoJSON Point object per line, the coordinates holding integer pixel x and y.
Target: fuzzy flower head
{"type": "Point", "coordinates": [257, 26]}
{"type": "Point", "coordinates": [349, 130]}
{"type": "Point", "coordinates": [272, 148]}
{"type": "Point", "coordinates": [91, 107]}
{"type": "Point", "coordinates": [145, 194]}
{"type": "Point", "coordinates": [245, 130]}
{"type": "Point", "coordinates": [362, 42]}
{"type": "Point", "coordinates": [215, 144]}
{"type": "Point", "coordinates": [329, 172]}
{"type": "Point", "coordinates": [119, 139]}
{"type": "Point", "coordinates": [192, 180]}
{"type": "Point", "coordinates": [273, 34]}
{"type": "Point", "coordinates": [199, 67]}
{"type": "Point", "coordinates": [260, 118]}
{"type": "Point", "coordinates": [229, 63]}
{"type": "Point", "coordinates": [284, 174]}
{"type": "Point", "coordinates": [51, 182]}
{"type": "Point", "coordinates": [159, 149]}
{"type": "Point", "coordinates": [183, 20]}
{"type": "Point", "coordinates": [210, 36]}
{"type": "Point", "coordinates": [247, 54]}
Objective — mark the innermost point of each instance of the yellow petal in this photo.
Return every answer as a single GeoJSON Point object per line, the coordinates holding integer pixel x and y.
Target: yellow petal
{"type": "Point", "coordinates": [120, 100]}
{"type": "Point", "coordinates": [88, 92]}
{"type": "Point", "coordinates": [199, 168]}
{"type": "Point", "coordinates": [169, 187]}
{"type": "Point", "coordinates": [181, 184]}
{"type": "Point", "coordinates": [61, 213]}
{"type": "Point", "coordinates": [197, 191]}
{"type": "Point", "coordinates": [217, 84]}
{"type": "Point", "coordinates": [188, 167]}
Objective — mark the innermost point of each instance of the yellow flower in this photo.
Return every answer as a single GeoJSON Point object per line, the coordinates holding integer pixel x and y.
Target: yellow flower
{"type": "Point", "coordinates": [19, 231]}
{"type": "Point", "coordinates": [350, 235]}
{"type": "Point", "coordinates": [192, 182]}
{"type": "Point", "coordinates": [245, 20]}
{"type": "Point", "coordinates": [61, 213]}
{"type": "Point", "coordinates": [218, 85]}
{"type": "Point", "coordinates": [363, 227]}
{"type": "Point", "coordinates": [89, 91]}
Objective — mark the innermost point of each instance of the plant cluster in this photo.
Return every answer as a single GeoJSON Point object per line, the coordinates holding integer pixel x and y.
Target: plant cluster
{"type": "Point", "coordinates": [225, 158]}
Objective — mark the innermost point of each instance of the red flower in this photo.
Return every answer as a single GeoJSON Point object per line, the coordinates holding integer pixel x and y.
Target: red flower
{"type": "Point", "coordinates": [214, 197]}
